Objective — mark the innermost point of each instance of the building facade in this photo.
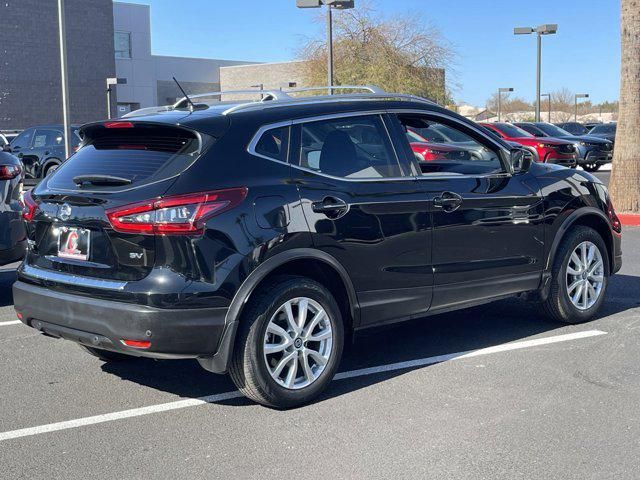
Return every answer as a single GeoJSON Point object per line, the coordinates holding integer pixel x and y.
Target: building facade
{"type": "Point", "coordinates": [149, 77]}
{"type": "Point", "coordinates": [30, 89]}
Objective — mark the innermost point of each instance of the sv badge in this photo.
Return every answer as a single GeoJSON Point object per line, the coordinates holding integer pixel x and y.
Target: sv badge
{"type": "Point", "coordinates": [136, 256]}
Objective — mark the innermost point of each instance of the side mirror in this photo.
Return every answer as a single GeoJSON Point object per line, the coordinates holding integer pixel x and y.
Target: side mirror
{"type": "Point", "coordinates": [521, 160]}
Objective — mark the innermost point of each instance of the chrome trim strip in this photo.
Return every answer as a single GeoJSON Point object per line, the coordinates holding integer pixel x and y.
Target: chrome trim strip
{"type": "Point", "coordinates": [69, 279]}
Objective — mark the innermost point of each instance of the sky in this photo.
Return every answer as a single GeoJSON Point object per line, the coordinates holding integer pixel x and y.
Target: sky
{"type": "Point", "coordinates": [583, 56]}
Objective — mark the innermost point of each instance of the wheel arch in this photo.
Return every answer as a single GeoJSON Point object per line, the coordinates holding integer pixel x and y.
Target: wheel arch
{"type": "Point", "coordinates": [307, 262]}
{"type": "Point", "coordinates": [588, 217]}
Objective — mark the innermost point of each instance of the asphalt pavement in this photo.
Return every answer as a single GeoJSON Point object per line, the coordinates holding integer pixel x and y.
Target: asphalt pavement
{"type": "Point", "coordinates": [489, 392]}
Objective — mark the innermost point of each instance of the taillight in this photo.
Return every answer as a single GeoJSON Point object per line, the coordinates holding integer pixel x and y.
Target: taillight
{"type": "Point", "coordinates": [30, 207]}
{"type": "Point", "coordinates": [615, 222]}
{"type": "Point", "coordinates": [118, 124]}
{"type": "Point", "coordinates": [177, 215]}
{"type": "Point", "coordinates": [9, 172]}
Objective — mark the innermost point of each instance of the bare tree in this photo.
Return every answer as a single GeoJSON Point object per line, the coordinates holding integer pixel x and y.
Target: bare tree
{"type": "Point", "coordinates": [508, 105]}
{"type": "Point", "coordinates": [400, 54]}
{"type": "Point", "coordinates": [562, 103]}
{"type": "Point", "coordinates": [625, 177]}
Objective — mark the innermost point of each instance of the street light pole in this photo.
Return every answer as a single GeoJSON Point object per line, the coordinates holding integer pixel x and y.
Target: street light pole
{"type": "Point", "coordinates": [500, 91]}
{"type": "Point", "coordinates": [110, 83]}
{"type": "Point", "coordinates": [549, 96]}
{"type": "Point", "coordinates": [330, 48]}
{"type": "Point", "coordinates": [546, 29]}
{"type": "Point", "coordinates": [63, 77]}
{"type": "Point", "coordinates": [575, 101]}
{"type": "Point", "coordinates": [330, 4]}
{"type": "Point", "coordinates": [538, 76]}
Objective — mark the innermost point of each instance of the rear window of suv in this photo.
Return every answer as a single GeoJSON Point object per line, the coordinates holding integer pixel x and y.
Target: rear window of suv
{"type": "Point", "coordinates": [142, 154]}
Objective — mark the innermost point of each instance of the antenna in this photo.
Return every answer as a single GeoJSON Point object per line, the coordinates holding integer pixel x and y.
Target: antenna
{"type": "Point", "coordinates": [192, 106]}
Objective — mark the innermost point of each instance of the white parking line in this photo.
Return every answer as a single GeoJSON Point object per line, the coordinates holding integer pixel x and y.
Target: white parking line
{"type": "Point", "coordinates": [163, 407]}
{"type": "Point", "coordinates": [12, 322]}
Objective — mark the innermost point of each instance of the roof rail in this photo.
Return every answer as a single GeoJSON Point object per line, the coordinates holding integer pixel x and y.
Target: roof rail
{"type": "Point", "coordinates": [369, 88]}
{"type": "Point", "coordinates": [267, 95]}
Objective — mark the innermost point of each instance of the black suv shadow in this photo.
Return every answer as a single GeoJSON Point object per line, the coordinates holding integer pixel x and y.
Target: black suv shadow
{"type": "Point", "coordinates": [459, 331]}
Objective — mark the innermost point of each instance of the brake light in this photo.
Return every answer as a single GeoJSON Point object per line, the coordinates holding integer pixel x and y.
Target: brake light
{"type": "Point", "coordinates": [615, 222]}
{"type": "Point", "coordinates": [118, 124]}
{"type": "Point", "coordinates": [177, 215]}
{"type": "Point", "coordinates": [30, 207]}
{"type": "Point", "coordinates": [9, 172]}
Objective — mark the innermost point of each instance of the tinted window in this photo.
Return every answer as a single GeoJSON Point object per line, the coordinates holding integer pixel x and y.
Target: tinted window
{"type": "Point", "coordinates": [23, 140]}
{"type": "Point", "coordinates": [463, 151]}
{"type": "Point", "coordinates": [532, 129]}
{"type": "Point", "coordinates": [354, 147]}
{"type": "Point", "coordinates": [273, 144]}
{"type": "Point", "coordinates": [609, 128]}
{"type": "Point", "coordinates": [552, 130]}
{"type": "Point", "coordinates": [47, 138]}
{"type": "Point", "coordinates": [141, 154]}
{"type": "Point", "coordinates": [122, 44]}
{"type": "Point", "coordinates": [512, 131]}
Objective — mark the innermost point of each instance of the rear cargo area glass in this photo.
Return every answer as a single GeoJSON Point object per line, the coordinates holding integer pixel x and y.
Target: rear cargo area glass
{"type": "Point", "coordinates": [142, 154]}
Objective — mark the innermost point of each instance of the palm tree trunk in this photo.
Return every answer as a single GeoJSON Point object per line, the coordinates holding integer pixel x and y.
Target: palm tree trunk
{"type": "Point", "coordinates": [625, 177]}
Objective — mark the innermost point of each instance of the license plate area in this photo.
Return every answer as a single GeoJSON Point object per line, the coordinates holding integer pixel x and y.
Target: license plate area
{"type": "Point", "coordinates": [74, 243]}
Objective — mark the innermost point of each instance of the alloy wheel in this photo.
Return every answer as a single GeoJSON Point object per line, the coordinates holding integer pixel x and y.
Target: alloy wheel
{"type": "Point", "coordinates": [298, 343]}
{"type": "Point", "coordinates": [585, 275]}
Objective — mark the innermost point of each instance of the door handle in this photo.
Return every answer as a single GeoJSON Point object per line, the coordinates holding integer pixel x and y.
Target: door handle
{"type": "Point", "coordinates": [448, 201]}
{"type": "Point", "coordinates": [330, 206]}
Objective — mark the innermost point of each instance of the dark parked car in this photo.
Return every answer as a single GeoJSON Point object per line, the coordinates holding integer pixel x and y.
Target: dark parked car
{"type": "Point", "coordinates": [41, 149]}
{"type": "Point", "coordinates": [13, 235]}
{"type": "Point", "coordinates": [255, 236]}
{"type": "Point", "coordinates": [574, 128]}
{"type": "Point", "coordinates": [606, 131]}
{"type": "Point", "coordinates": [593, 152]}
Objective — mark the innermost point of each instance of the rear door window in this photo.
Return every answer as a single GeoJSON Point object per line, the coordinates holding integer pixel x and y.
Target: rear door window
{"type": "Point", "coordinates": [143, 154]}
{"type": "Point", "coordinates": [273, 144]}
{"type": "Point", "coordinates": [353, 147]}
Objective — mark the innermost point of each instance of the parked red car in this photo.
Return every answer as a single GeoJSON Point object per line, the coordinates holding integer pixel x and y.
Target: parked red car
{"type": "Point", "coordinates": [550, 150]}
{"type": "Point", "coordinates": [427, 151]}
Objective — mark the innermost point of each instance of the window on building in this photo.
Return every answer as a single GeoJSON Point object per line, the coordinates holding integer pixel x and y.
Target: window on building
{"type": "Point", "coordinates": [122, 44]}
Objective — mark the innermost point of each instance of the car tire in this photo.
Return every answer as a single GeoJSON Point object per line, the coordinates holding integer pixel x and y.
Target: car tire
{"type": "Point", "coordinates": [50, 169]}
{"type": "Point", "coordinates": [107, 355]}
{"type": "Point", "coordinates": [257, 368]}
{"type": "Point", "coordinates": [561, 303]}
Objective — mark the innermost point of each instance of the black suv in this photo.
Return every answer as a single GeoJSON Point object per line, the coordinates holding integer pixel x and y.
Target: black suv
{"type": "Point", "coordinates": [41, 149]}
{"type": "Point", "coordinates": [254, 236]}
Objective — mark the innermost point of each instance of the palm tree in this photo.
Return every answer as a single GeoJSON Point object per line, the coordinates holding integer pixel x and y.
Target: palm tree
{"type": "Point", "coordinates": [625, 177]}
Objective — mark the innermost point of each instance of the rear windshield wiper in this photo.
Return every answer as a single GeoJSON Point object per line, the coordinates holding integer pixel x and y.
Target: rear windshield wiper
{"type": "Point", "coordinates": [101, 180]}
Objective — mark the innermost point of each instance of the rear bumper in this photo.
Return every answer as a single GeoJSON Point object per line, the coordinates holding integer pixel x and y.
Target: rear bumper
{"type": "Point", "coordinates": [173, 333]}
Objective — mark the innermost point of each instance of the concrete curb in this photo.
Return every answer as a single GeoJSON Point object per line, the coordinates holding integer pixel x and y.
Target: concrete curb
{"type": "Point", "coordinates": [630, 219]}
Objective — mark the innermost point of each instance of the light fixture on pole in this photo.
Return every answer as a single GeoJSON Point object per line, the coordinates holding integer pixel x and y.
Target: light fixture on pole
{"type": "Point", "coordinates": [110, 83]}
{"type": "Point", "coordinates": [549, 96]}
{"type": "Point", "coordinates": [500, 92]}
{"type": "Point", "coordinates": [575, 103]}
{"type": "Point", "coordinates": [259, 86]}
{"type": "Point", "coordinates": [540, 30]}
{"type": "Point", "coordinates": [64, 80]}
{"type": "Point", "coordinates": [331, 4]}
